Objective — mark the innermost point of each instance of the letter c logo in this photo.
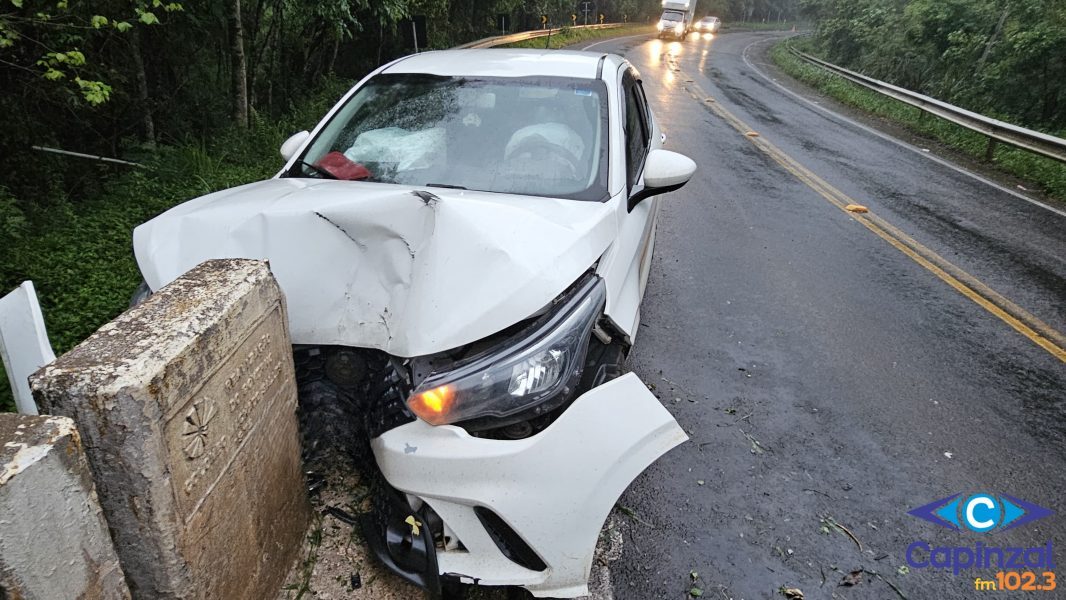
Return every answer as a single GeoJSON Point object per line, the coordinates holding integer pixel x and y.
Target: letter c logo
{"type": "Point", "coordinates": [982, 513]}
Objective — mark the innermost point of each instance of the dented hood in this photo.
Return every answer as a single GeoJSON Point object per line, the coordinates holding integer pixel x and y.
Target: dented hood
{"type": "Point", "coordinates": [410, 271]}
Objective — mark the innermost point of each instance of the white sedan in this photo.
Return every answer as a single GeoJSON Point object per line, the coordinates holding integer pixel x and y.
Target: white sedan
{"type": "Point", "coordinates": [463, 243]}
{"type": "Point", "coordinates": [708, 24]}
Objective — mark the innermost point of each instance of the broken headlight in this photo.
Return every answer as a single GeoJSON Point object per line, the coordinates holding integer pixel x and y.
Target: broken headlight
{"type": "Point", "coordinates": [526, 376]}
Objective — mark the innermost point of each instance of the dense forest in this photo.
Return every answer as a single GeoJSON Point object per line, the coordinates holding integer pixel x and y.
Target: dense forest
{"type": "Point", "coordinates": [119, 77]}
{"type": "Point", "coordinates": [1004, 58]}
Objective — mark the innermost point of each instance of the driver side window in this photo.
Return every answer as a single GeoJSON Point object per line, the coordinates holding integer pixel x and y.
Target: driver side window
{"type": "Point", "coordinates": [637, 130]}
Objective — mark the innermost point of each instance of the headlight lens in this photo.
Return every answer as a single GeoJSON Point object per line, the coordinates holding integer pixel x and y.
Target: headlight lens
{"type": "Point", "coordinates": [534, 373]}
{"type": "Point", "coordinates": [679, 27]}
{"type": "Point", "coordinates": [659, 25]}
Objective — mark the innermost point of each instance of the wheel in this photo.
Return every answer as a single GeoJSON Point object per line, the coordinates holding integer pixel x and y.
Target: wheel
{"type": "Point", "coordinates": [328, 411]}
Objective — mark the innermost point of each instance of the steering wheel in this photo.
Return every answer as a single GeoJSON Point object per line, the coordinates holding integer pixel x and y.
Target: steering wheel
{"type": "Point", "coordinates": [538, 147]}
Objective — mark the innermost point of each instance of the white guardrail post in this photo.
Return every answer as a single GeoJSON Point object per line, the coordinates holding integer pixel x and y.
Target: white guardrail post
{"type": "Point", "coordinates": [996, 130]}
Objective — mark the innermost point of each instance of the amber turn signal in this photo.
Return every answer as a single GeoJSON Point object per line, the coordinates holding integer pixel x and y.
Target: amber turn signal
{"type": "Point", "coordinates": [432, 406]}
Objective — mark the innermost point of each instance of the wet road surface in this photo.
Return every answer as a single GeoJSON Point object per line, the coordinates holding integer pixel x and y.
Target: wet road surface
{"type": "Point", "coordinates": [825, 375]}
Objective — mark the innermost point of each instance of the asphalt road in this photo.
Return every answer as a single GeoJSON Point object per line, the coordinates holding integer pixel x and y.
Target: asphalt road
{"type": "Point", "coordinates": [823, 373]}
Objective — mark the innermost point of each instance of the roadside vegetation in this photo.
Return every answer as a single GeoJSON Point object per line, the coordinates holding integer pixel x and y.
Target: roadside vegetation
{"type": "Point", "coordinates": [78, 250]}
{"type": "Point", "coordinates": [784, 25]}
{"type": "Point", "coordinates": [1050, 175]}
{"type": "Point", "coordinates": [569, 36]}
{"type": "Point", "coordinates": [999, 58]}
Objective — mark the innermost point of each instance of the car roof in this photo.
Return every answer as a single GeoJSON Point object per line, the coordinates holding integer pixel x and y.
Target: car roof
{"type": "Point", "coordinates": [505, 62]}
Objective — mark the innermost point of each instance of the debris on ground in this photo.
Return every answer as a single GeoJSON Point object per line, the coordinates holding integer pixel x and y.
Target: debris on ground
{"type": "Point", "coordinates": [694, 591]}
{"type": "Point", "coordinates": [756, 447]}
{"type": "Point", "coordinates": [829, 524]}
{"type": "Point", "coordinates": [855, 577]}
{"type": "Point", "coordinates": [851, 579]}
{"type": "Point", "coordinates": [335, 562]}
{"type": "Point", "coordinates": [791, 593]}
{"type": "Point", "coordinates": [632, 514]}
{"type": "Point", "coordinates": [856, 208]}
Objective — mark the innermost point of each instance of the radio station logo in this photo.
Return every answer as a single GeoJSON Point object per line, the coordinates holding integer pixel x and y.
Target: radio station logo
{"type": "Point", "coordinates": [1025, 568]}
{"type": "Point", "coordinates": [982, 513]}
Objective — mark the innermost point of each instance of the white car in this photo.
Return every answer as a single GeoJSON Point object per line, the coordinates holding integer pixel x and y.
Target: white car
{"type": "Point", "coordinates": [708, 24]}
{"type": "Point", "coordinates": [463, 243]}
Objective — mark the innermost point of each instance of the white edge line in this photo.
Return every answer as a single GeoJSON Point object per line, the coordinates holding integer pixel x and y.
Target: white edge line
{"type": "Point", "coordinates": [896, 141]}
{"type": "Point", "coordinates": [624, 37]}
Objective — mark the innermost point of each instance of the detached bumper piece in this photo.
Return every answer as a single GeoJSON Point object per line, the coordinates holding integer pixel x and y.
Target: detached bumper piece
{"type": "Point", "coordinates": [402, 539]}
{"type": "Point", "coordinates": [516, 512]}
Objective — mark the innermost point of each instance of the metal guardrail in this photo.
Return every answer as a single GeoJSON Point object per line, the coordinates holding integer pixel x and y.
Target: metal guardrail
{"type": "Point", "coordinates": [996, 130]}
{"type": "Point", "coordinates": [500, 40]}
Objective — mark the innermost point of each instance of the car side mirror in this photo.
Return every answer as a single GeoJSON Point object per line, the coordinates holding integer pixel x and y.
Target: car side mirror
{"type": "Point", "coordinates": [291, 145]}
{"type": "Point", "coordinates": [664, 171]}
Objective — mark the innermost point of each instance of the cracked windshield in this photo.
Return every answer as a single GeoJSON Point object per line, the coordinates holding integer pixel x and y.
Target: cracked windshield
{"type": "Point", "coordinates": [540, 137]}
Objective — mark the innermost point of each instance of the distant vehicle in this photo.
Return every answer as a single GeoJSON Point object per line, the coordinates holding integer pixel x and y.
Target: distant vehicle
{"type": "Point", "coordinates": [677, 19]}
{"type": "Point", "coordinates": [708, 25]}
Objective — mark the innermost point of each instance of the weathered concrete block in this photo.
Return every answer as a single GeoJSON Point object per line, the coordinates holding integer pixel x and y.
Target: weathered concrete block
{"type": "Point", "coordinates": [187, 408]}
{"type": "Point", "coordinates": [53, 537]}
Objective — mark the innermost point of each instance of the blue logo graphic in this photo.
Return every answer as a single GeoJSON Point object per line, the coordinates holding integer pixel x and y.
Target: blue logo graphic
{"type": "Point", "coordinates": [982, 512]}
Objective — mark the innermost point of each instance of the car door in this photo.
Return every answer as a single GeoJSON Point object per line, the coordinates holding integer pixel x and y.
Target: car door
{"type": "Point", "coordinates": [630, 259]}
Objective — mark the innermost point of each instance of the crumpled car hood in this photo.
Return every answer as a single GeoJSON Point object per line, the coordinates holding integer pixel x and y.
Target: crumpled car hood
{"type": "Point", "coordinates": [381, 266]}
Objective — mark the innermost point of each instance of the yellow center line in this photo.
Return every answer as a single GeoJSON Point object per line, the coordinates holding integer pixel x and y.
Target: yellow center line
{"type": "Point", "coordinates": [1010, 313]}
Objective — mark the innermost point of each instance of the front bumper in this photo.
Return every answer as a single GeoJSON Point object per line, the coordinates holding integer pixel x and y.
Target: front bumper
{"type": "Point", "coordinates": [527, 512]}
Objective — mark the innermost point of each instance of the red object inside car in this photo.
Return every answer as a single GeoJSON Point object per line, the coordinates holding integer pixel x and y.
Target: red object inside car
{"type": "Point", "coordinates": [342, 168]}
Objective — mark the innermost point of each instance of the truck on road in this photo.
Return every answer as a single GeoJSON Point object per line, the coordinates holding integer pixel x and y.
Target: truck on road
{"type": "Point", "coordinates": [677, 19]}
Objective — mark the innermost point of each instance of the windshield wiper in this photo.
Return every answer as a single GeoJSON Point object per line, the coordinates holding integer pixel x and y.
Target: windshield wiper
{"type": "Point", "coordinates": [446, 185]}
{"type": "Point", "coordinates": [316, 169]}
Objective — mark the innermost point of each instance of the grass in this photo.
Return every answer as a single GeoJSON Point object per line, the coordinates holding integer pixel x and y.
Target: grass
{"type": "Point", "coordinates": [78, 252]}
{"type": "Point", "coordinates": [1047, 174]}
{"type": "Point", "coordinates": [569, 36]}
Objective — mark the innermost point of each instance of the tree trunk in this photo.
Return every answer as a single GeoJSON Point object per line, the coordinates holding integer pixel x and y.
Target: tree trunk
{"type": "Point", "coordinates": [239, 69]}
{"type": "Point", "coordinates": [143, 104]}
{"type": "Point", "coordinates": [992, 40]}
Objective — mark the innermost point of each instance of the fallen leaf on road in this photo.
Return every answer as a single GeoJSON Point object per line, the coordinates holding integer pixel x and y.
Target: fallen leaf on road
{"type": "Point", "coordinates": [694, 575]}
{"type": "Point", "coordinates": [751, 134]}
{"type": "Point", "coordinates": [903, 570]}
{"type": "Point", "coordinates": [756, 447]}
{"type": "Point", "coordinates": [695, 592]}
{"type": "Point", "coordinates": [948, 454]}
{"type": "Point", "coordinates": [632, 514]}
{"type": "Point", "coordinates": [851, 579]}
{"type": "Point", "coordinates": [791, 593]}
{"type": "Point", "coordinates": [856, 208]}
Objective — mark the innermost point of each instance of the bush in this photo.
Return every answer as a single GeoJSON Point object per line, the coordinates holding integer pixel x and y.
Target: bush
{"type": "Point", "coordinates": [1049, 174]}
{"type": "Point", "coordinates": [79, 255]}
